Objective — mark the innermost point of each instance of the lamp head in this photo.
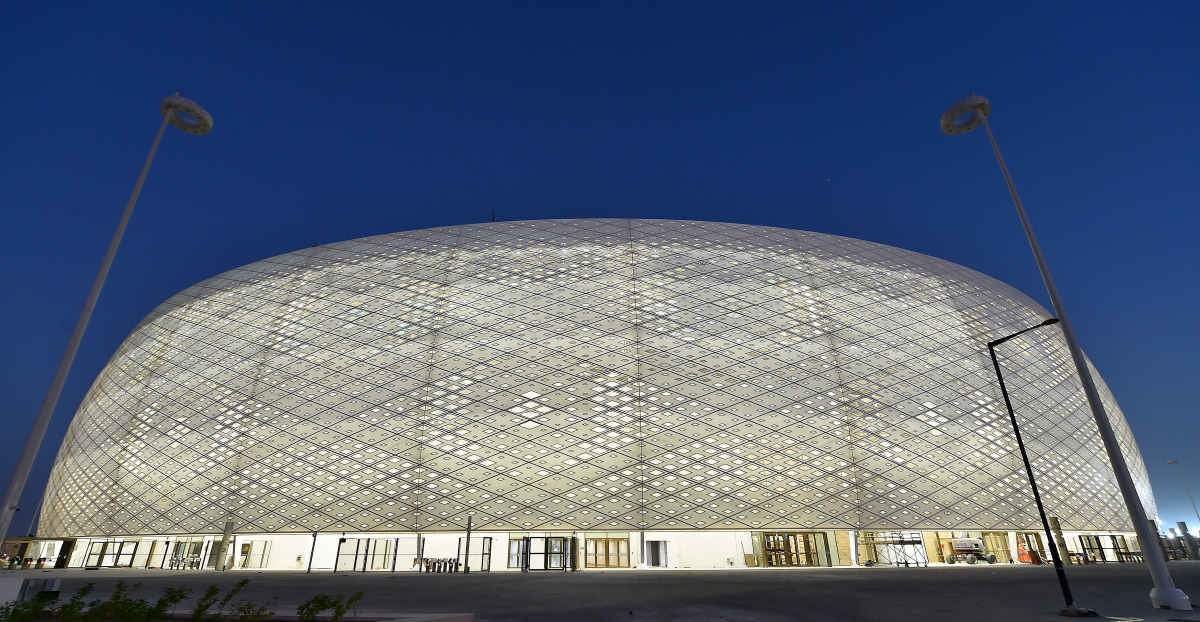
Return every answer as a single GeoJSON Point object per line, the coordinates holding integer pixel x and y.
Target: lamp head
{"type": "Point", "coordinates": [1050, 321]}
{"type": "Point", "coordinates": [186, 115]}
{"type": "Point", "coordinates": [966, 115]}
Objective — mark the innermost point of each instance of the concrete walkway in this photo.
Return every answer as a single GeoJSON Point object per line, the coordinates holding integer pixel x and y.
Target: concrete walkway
{"type": "Point", "coordinates": [960, 592]}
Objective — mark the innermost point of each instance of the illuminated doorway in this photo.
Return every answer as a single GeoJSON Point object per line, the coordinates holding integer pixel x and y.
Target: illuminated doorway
{"type": "Point", "coordinates": [606, 552]}
{"type": "Point", "coordinates": [791, 549]}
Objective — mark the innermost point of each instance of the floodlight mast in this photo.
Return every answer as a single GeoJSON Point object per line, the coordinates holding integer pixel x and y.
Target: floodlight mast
{"type": "Point", "coordinates": [961, 118]}
{"type": "Point", "coordinates": [188, 116]}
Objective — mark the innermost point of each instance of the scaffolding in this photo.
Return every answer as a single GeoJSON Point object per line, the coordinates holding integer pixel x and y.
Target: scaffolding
{"type": "Point", "coordinates": [892, 548]}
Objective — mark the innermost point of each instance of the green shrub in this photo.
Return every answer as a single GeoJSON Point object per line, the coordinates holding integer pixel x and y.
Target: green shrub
{"type": "Point", "coordinates": [70, 612]}
{"type": "Point", "coordinates": [229, 596]}
{"type": "Point", "coordinates": [171, 596]}
{"type": "Point", "coordinates": [122, 606]}
{"type": "Point", "coordinates": [339, 608]}
{"type": "Point", "coordinates": [307, 612]}
{"type": "Point", "coordinates": [207, 600]}
{"type": "Point", "coordinates": [247, 611]}
{"type": "Point", "coordinates": [36, 608]}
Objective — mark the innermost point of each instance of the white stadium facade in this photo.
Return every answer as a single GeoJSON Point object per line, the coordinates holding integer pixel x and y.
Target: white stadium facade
{"type": "Point", "coordinates": [591, 393]}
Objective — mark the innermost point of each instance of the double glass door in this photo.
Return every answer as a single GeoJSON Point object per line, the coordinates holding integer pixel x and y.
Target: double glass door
{"type": "Point", "coordinates": [606, 552]}
{"type": "Point", "coordinates": [546, 553]}
{"type": "Point", "coordinates": [475, 554]}
{"type": "Point", "coordinates": [363, 554]}
{"type": "Point", "coordinates": [782, 550]}
{"type": "Point", "coordinates": [186, 554]}
{"type": "Point", "coordinates": [111, 553]}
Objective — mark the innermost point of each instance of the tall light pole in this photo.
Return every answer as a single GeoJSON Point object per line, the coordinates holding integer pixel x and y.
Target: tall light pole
{"type": "Point", "coordinates": [1185, 487]}
{"type": "Point", "coordinates": [1071, 609]}
{"type": "Point", "coordinates": [188, 116]}
{"type": "Point", "coordinates": [961, 118]}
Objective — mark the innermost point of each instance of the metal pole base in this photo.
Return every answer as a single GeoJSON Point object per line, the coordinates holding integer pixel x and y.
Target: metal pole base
{"type": "Point", "coordinates": [1075, 611]}
{"type": "Point", "coordinates": [1170, 598]}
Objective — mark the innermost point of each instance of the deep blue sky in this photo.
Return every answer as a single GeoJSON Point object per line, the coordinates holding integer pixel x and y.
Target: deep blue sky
{"type": "Point", "coordinates": [335, 122]}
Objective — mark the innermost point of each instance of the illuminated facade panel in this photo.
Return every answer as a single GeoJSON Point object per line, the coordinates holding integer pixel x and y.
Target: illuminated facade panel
{"type": "Point", "coordinates": [604, 374]}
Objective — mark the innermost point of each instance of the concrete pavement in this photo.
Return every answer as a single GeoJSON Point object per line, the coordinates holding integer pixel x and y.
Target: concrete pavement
{"type": "Point", "coordinates": [960, 592]}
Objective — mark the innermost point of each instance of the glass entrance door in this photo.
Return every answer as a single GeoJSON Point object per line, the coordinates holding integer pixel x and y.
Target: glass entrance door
{"type": "Point", "coordinates": [185, 554]}
{"type": "Point", "coordinates": [516, 552]}
{"type": "Point", "coordinates": [124, 554]}
{"type": "Point", "coordinates": [111, 553]}
{"type": "Point", "coordinates": [475, 555]}
{"type": "Point", "coordinates": [363, 554]}
{"type": "Point", "coordinates": [350, 553]}
{"type": "Point", "coordinates": [606, 552]}
{"type": "Point", "coordinates": [547, 553]}
{"type": "Point", "coordinates": [97, 552]}
{"type": "Point", "coordinates": [1107, 547]}
{"type": "Point", "coordinates": [790, 549]}
{"type": "Point", "coordinates": [254, 554]}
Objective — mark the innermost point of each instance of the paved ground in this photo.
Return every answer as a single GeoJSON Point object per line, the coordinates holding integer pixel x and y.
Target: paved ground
{"type": "Point", "coordinates": [959, 592]}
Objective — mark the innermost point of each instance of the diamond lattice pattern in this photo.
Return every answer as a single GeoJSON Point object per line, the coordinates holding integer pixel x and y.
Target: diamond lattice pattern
{"type": "Point", "coordinates": [585, 374]}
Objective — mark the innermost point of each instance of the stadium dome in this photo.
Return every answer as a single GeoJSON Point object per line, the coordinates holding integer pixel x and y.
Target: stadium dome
{"type": "Point", "coordinates": [591, 374]}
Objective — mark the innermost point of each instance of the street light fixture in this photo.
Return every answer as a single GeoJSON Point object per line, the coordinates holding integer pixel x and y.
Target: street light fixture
{"type": "Point", "coordinates": [188, 116]}
{"type": "Point", "coordinates": [1071, 609]}
{"type": "Point", "coordinates": [961, 118]}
